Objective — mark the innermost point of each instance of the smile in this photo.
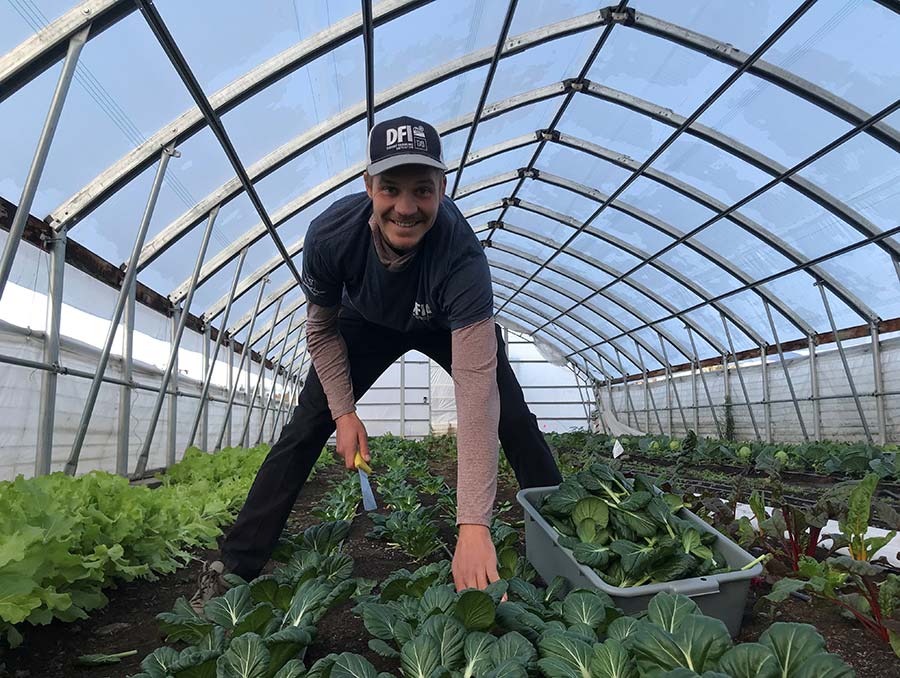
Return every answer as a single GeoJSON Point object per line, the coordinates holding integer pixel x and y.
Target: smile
{"type": "Point", "coordinates": [405, 224]}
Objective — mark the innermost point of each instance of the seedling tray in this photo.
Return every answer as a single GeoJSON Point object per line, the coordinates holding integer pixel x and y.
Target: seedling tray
{"type": "Point", "coordinates": [723, 596]}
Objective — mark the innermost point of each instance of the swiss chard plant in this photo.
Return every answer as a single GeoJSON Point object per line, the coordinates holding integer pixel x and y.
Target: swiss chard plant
{"type": "Point", "coordinates": [860, 589]}
{"type": "Point", "coordinates": [852, 582]}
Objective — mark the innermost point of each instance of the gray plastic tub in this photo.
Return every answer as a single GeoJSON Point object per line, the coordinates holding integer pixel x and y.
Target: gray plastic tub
{"type": "Point", "coordinates": [722, 596]}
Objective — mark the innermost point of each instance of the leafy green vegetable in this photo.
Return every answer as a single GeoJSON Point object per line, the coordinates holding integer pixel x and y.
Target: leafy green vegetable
{"type": "Point", "coordinates": [104, 659]}
{"type": "Point", "coordinates": [628, 536]}
{"type": "Point", "coordinates": [64, 539]}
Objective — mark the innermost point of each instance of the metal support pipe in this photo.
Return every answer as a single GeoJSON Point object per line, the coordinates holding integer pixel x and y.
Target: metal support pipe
{"type": "Point", "coordinates": [243, 439]}
{"type": "Point", "coordinates": [429, 399]}
{"type": "Point", "coordinates": [737, 368]}
{"type": "Point", "coordinates": [879, 386]}
{"type": "Point", "coordinates": [584, 403]}
{"type": "Point", "coordinates": [695, 404]}
{"type": "Point", "coordinates": [235, 378]}
{"type": "Point", "coordinates": [709, 401]}
{"type": "Point", "coordinates": [179, 321]}
{"type": "Point", "coordinates": [767, 399]}
{"type": "Point", "coordinates": [203, 409]}
{"type": "Point", "coordinates": [207, 379]}
{"type": "Point", "coordinates": [369, 49]}
{"type": "Point", "coordinates": [287, 400]}
{"type": "Point", "coordinates": [598, 401]}
{"type": "Point", "coordinates": [44, 453]}
{"type": "Point", "coordinates": [130, 275]}
{"type": "Point", "coordinates": [612, 400]}
{"type": "Point", "coordinates": [646, 401]}
{"type": "Point", "coordinates": [628, 400]}
{"type": "Point", "coordinates": [648, 390]}
{"type": "Point", "coordinates": [286, 389]}
{"type": "Point", "coordinates": [123, 434]}
{"type": "Point", "coordinates": [178, 317]}
{"type": "Point", "coordinates": [231, 383]}
{"type": "Point", "coordinates": [479, 109]}
{"type": "Point", "coordinates": [668, 378]}
{"type": "Point", "coordinates": [278, 364]}
{"type": "Point", "coordinates": [26, 200]}
{"type": "Point", "coordinates": [403, 396]}
{"type": "Point", "coordinates": [847, 371]}
{"type": "Point", "coordinates": [787, 373]}
{"type": "Point", "coordinates": [245, 434]}
{"type": "Point", "coordinates": [814, 390]}
{"type": "Point", "coordinates": [665, 353]}
{"type": "Point", "coordinates": [726, 373]}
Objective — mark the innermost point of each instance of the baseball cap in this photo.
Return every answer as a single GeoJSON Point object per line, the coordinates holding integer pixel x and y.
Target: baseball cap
{"type": "Point", "coordinates": [403, 141]}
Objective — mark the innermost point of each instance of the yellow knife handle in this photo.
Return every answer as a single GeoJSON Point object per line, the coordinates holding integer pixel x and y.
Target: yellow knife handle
{"type": "Point", "coordinates": [361, 463]}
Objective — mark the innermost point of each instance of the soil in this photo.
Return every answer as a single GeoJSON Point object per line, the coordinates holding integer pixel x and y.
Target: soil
{"type": "Point", "coordinates": [128, 622]}
{"type": "Point", "coordinates": [870, 657]}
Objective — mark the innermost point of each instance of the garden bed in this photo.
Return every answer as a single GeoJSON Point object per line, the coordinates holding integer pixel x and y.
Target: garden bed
{"type": "Point", "coordinates": [129, 621]}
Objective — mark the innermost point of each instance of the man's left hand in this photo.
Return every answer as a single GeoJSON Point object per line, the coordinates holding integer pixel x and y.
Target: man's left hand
{"type": "Point", "coordinates": [475, 560]}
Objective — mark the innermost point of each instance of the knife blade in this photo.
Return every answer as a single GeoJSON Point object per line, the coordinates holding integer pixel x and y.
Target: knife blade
{"type": "Point", "coordinates": [368, 496]}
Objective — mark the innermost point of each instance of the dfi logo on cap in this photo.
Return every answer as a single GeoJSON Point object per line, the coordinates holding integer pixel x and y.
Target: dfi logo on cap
{"type": "Point", "coordinates": [405, 137]}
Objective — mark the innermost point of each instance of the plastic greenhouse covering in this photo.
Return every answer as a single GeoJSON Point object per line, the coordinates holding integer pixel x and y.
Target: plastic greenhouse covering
{"type": "Point", "coordinates": [681, 203]}
{"type": "Point", "coordinates": [691, 215]}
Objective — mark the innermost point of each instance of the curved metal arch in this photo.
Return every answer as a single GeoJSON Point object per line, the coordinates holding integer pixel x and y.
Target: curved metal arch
{"type": "Point", "coordinates": [686, 282]}
{"type": "Point", "coordinates": [747, 224]}
{"type": "Point", "coordinates": [528, 323]}
{"type": "Point", "coordinates": [255, 78]}
{"type": "Point", "coordinates": [287, 332]}
{"type": "Point", "coordinates": [688, 191]}
{"type": "Point", "coordinates": [743, 152]}
{"type": "Point", "coordinates": [829, 202]}
{"type": "Point", "coordinates": [537, 310]}
{"type": "Point", "coordinates": [625, 331]}
{"type": "Point", "coordinates": [294, 305]}
{"type": "Point", "coordinates": [264, 306]}
{"type": "Point", "coordinates": [508, 284]}
{"type": "Point", "coordinates": [43, 49]}
{"type": "Point", "coordinates": [640, 254]}
{"type": "Point", "coordinates": [223, 257]}
{"type": "Point", "coordinates": [732, 56]}
{"type": "Point", "coordinates": [612, 320]}
{"type": "Point", "coordinates": [190, 122]}
{"type": "Point", "coordinates": [244, 285]}
{"type": "Point", "coordinates": [661, 226]}
{"type": "Point", "coordinates": [638, 287]}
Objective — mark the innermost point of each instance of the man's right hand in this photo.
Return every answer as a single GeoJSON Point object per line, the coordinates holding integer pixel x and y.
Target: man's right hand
{"type": "Point", "coordinates": [351, 436]}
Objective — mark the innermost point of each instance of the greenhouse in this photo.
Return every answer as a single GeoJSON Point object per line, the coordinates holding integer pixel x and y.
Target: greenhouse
{"type": "Point", "coordinates": [658, 241]}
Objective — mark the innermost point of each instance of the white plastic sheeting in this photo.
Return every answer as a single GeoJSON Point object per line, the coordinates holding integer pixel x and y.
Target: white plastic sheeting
{"type": "Point", "coordinates": [838, 418]}
{"type": "Point", "coordinates": [19, 402]}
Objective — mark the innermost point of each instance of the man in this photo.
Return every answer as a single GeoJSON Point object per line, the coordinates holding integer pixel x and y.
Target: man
{"type": "Point", "coordinates": [391, 270]}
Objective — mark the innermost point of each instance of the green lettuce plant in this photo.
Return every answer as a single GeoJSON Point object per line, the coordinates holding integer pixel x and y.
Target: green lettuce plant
{"type": "Point", "coordinates": [64, 539]}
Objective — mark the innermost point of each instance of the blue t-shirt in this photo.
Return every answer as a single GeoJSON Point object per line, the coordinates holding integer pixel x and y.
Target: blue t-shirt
{"type": "Point", "coordinates": [446, 285]}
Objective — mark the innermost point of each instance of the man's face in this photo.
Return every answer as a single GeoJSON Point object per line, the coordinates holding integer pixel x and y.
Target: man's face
{"type": "Point", "coordinates": [405, 202]}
